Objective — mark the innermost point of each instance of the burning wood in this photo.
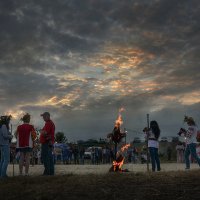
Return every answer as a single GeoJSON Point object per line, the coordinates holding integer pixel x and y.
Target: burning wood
{"type": "Point", "coordinates": [118, 163]}
{"type": "Point", "coordinates": [117, 134]}
{"type": "Point", "coordinates": [125, 147]}
{"type": "Point", "coordinates": [116, 137]}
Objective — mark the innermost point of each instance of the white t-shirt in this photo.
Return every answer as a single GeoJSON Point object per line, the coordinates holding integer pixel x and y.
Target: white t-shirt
{"type": "Point", "coordinates": [152, 141]}
{"type": "Point", "coordinates": [191, 135]}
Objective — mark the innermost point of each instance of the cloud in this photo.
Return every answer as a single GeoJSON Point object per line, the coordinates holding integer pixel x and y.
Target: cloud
{"type": "Point", "coordinates": [83, 60]}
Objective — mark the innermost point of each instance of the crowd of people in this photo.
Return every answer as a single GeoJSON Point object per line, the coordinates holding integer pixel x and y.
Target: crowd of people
{"type": "Point", "coordinates": [26, 135]}
{"type": "Point", "coordinates": [49, 151]}
{"type": "Point", "coordinates": [186, 151]}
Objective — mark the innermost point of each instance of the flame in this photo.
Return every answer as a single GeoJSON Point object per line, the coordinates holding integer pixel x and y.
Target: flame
{"type": "Point", "coordinates": [118, 165]}
{"type": "Point", "coordinates": [125, 147]}
{"type": "Point", "coordinates": [119, 120]}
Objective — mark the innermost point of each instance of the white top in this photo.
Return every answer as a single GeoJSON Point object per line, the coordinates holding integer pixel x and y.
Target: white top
{"type": "Point", "coordinates": [152, 141]}
{"type": "Point", "coordinates": [191, 135]}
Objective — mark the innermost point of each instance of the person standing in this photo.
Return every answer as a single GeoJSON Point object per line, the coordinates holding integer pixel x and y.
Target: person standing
{"type": "Point", "coordinates": [180, 152]}
{"type": "Point", "coordinates": [153, 144]}
{"type": "Point", "coordinates": [190, 134]}
{"type": "Point", "coordinates": [25, 139]}
{"type": "Point", "coordinates": [5, 138]}
{"type": "Point", "coordinates": [47, 138]}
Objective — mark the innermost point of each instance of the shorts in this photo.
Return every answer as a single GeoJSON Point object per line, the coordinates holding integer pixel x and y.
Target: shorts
{"type": "Point", "coordinates": [25, 149]}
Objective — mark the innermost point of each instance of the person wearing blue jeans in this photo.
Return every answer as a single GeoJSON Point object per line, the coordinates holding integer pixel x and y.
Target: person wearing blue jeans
{"type": "Point", "coordinates": [5, 155]}
{"type": "Point", "coordinates": [190, 134]}
{"type": "Point", "coordinates": [155, 161]}
{"type": "Point", "coordinates": [191, 149]}
{"type": "Point", "coordinates": [5, 136]}
{"type": "Point", "coordinates": [153, 134]}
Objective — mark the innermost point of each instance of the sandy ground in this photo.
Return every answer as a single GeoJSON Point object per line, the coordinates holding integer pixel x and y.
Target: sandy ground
{"type": "Point", "coordinates": [97, 169]}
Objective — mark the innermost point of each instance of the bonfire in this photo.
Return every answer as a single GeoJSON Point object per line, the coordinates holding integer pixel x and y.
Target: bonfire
{"type": "Point", "coordinates": [119, 161]}
{"type": "Point", "coordinates": [116, 137]}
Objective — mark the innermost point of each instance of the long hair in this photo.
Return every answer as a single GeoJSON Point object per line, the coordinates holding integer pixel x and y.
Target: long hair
{"type": "Point", "coordinates": [155, 128]}
{"type": "Point", "coordinates": [5, 120]}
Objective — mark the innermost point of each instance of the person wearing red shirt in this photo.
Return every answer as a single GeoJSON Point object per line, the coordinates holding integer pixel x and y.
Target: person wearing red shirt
{"type": "Point", "coordinates": [47, 141]}
{"type": "Point", "coordinates": [25, 139]}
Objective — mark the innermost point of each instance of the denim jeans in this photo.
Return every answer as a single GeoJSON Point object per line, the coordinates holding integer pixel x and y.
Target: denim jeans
{"type": "Point", "coordinates": [155, 161]}
{"type": "Point", "coordinates": [47, 158]}
{"type": "Point", "coordinates": [191, 149]}
{"type": "Point", "coordinates": [5, 158]}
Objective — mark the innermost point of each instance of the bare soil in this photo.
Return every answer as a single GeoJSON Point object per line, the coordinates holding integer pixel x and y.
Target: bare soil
{"type": "Point", "coordinates": [184, 185]}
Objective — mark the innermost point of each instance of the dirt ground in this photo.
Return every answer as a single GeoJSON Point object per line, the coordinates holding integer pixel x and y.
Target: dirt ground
{"type": "Point", "coordinates": [184, 185]}
{"type": "Point", "coordinates": [95, 182]}
{"type": "Point", "coordinates": [98, 169]}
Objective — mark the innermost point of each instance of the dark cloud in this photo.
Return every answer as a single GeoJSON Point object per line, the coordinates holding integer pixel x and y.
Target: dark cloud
{"type": "Point", "coordinates": [83, 60]}
{"type": "Point", "coordinates": [20, 88]}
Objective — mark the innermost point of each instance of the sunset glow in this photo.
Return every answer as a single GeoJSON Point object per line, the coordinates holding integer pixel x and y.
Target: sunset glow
{"type": "Point", "coordinates": [83, 60]}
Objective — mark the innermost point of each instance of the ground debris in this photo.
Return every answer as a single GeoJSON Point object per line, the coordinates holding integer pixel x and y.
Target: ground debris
{"type": "Point", "coordinates": [162, 185]}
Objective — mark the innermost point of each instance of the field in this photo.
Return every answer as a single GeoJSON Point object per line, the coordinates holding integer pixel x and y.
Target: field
{"type": "Point", "coordinates": [96, 184]}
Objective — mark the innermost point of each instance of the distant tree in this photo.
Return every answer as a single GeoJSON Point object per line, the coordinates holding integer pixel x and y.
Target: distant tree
{"type": "Point", "coordinates": [60, 137]}
{"type": "Point", "coordinates": [92, 141]}
{"type": "Point", "coordinates": [80, 141]}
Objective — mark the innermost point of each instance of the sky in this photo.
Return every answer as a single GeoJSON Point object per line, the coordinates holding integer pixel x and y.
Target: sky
{"type": "Point", "coordinates": [84, 60]}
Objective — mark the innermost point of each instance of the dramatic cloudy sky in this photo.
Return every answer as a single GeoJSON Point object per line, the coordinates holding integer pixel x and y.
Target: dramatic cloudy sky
{"type": "Point", "coordinates": [83, 60]}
